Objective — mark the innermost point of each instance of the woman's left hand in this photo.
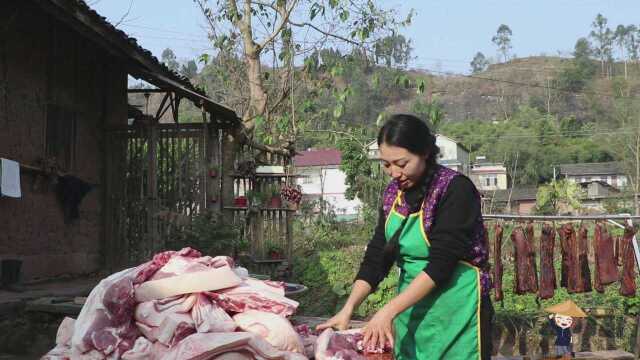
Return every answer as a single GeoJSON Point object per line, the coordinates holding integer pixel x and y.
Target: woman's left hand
{"type": "Point", "coordinates": [379, 329]}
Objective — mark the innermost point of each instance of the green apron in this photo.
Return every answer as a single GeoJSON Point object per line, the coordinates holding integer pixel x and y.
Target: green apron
{"type": "Point", "coordinates": [446, 323]}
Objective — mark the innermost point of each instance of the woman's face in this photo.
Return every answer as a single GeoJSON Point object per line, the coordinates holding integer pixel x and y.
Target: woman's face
{"type": "Point", "coordinates": [402, 165]}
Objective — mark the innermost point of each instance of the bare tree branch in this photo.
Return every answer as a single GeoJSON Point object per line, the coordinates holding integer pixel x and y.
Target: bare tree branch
{"type": "Point", "coordinates": [343, 133]}
{"type": "Point", "coordinates": [284, 14]}
{"type": "Point", "coordinates": [306, 24]}
{"type": "Point", "coordinates": [125, 15]}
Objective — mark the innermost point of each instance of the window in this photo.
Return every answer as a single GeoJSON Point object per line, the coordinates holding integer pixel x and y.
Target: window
{"type": "Point", "coordinates": [614, 180]}
{"type": "Point", "coordinates": [307, 180]}
{"type": "Point", "coordinates": [491, 180]}
{"type": "Point", "coordinates": [60, 136]}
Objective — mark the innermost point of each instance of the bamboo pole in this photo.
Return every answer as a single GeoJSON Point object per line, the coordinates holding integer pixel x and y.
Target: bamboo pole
{"type": "Point", "coordinates": [558, 217]}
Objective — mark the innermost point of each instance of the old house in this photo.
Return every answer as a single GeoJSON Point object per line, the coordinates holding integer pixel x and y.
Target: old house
{"type": "Point", "coordinates": [518, 200]}
{"type": "Point", "coordinates": [608, 172]}
{"type": "Point", "coordinates": [64, 111]}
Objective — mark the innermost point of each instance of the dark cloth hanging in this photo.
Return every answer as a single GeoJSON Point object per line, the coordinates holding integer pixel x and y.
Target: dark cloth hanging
{"type": "Point", "coordinates": [584, 273]}
{"type": "Point", "coordinates": [497, 256]}
{"type": "Point", "coordinates": [568, 246]}
{"type": "Point", "coordinates": [547, 270]}
{"type": "Point", "coordinates": [628, 275]}
{"type": "Point", "coordinates": [526, 279]}
{"type": "Point", "coordinates": [71, 191]}
{"type": "Point", "coordinates": [606, 270]}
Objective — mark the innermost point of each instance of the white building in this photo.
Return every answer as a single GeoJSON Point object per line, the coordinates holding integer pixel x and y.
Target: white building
{"type": "Point", "coordinates": [323, 179]}
{"type": "Point", "coordinates": [452, 153]}
{"type": "Point", "coordinates": [488, 176]}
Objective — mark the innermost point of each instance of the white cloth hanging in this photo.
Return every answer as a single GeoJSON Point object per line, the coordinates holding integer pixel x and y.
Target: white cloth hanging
{"type": "Point", "coordinates": [10, 178]}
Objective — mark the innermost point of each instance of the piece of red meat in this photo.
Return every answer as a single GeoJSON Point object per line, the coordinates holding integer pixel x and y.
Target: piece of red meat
{"type": "Point", "coordinates": [569, 247]}
{"type": "Point", "coordinates": [498, 267]}
{"type": "Point", "coordinates": [606, 271]}
{"type": "Point", "coordinates": [347, 344]}
{"type": "Point", "coordinates": [547, 270]}
{"type": "Point", "coordinates": [584, 273]}
{"type": "Point", "coordinates": [526, 280]}
{"type": "Point", "coordinates": [628, 275]}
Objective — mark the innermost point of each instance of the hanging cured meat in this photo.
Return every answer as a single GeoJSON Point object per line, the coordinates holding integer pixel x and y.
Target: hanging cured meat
{"type": "Point", "coordinates": [584, 273]}
{"type": "Point", "coordinates": [547, 271]}
{"type": "Point", "coordinates": [606, 270]}
{"type": "Point", "coordinates": [526, 279]}
{"type": "Point", "coordinates": [628, 276]}
{"type": "Point", "coordinates": [528, 231]}
{"type": "Point", "coordinates": [568, 246]}
{"type": "Point", "coordinates": [497, 256]}
{"type": "Point", "coordinates": [617, 251]}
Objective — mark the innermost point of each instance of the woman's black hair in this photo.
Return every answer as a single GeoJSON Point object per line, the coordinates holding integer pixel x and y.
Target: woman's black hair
{"type": "Point", "coordinates": [411, 133]}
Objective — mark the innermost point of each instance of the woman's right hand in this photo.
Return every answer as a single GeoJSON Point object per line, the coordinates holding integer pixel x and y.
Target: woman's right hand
{"type": "Point", "coordinates": [339, 321]}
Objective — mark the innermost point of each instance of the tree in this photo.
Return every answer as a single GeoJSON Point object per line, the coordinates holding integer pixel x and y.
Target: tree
{"type": "Point", "coordinates": [581, 69]}
{"type": "Point", "coordinates": [252, 33]}
{"type": "Point", "coordinates": [393, 50]}
{"type": "Point", "coordinates": [502, 39]}
{"type": "Point", "coordinates": [632, 43]}
{"type": "Point", "coordinates": [432, 112]}
{"type": "Point", "coordinates": [479, 63]}
{"type": "Point", "coordinates": [169, 59]}
{"type": "Point", "coordinates": [604, 41]}
{"type": "Point", "coordinates": [557, 196]}
{"type": "Point", "coordinates": [189, 70]}
{"type": "Point", "coordinates": [626, 143]}
{"type": "Point", "coordinates": [621, 37]}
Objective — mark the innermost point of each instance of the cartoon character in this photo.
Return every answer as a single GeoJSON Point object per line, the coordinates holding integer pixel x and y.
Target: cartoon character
{"type": "Point", "coordinates": [561, 320]}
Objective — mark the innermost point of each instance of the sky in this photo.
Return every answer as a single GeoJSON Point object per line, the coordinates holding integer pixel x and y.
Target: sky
{"type": "Point", "coordinates": [445, 34]}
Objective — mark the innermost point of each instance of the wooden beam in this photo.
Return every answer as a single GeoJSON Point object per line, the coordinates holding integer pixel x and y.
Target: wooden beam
{"type": "Point", "coordinates": [161, 109]}
{"type": "Point", "coordinates": [119, 44]}
{"type": "Point", "coordinates": [147, 91]}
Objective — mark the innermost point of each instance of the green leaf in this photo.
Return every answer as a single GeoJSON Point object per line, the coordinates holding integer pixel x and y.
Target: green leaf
{"type": "Point", "coordinates": [259, 120]}
{"type": "Point", "coordinates": [204, 59]}
{"type": "Point", "coordinates": [336, 71]}
{"type": "Point", "coordinates": [338, 110]}
{"type": "Point", "coordinates": [375, 80]}
{"type": "Point", "coordinates": [421, 86]}
{"type": "Point", "coordinates": [344, 15]}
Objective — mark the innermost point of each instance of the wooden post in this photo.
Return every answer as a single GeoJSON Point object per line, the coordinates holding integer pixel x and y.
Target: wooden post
{"type": "Point", "coordinates": [153, 242]}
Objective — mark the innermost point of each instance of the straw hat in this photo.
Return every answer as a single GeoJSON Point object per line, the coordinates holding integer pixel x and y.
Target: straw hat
{"type": "Point", "coordinates": [567, 308]}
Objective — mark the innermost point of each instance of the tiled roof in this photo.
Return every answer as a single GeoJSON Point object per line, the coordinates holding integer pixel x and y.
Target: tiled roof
{"type": "Point", "coordinates": [603, 168]}
{"type": "Point", "coordinates": [322, 157]}
{"type": "Point", "coordinates": [518, 194]}
{"type": "Point", "coordinates": [88, 22]}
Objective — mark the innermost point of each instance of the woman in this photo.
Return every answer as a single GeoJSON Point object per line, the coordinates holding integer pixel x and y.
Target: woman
{"type": "Point", "coordinates": [430, 225]}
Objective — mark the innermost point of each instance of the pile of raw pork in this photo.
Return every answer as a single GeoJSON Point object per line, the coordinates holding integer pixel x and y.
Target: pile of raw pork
{"type": "Point", "coordinates": [182, 305]}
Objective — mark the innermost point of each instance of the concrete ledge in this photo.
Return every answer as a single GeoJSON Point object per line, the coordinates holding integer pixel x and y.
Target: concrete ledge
{"type": "Point", "coordinates": [587, 355]}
